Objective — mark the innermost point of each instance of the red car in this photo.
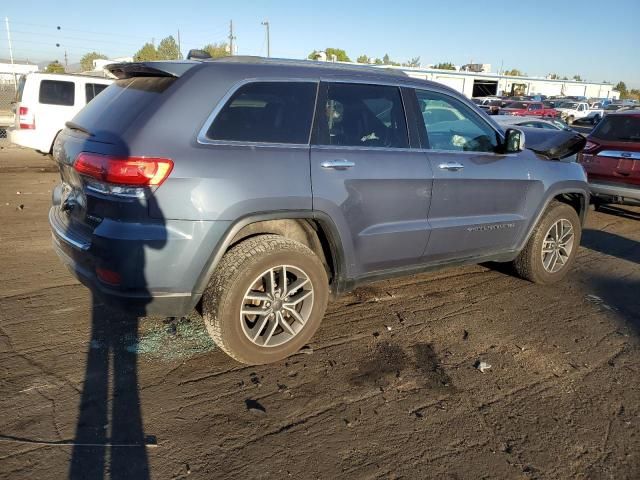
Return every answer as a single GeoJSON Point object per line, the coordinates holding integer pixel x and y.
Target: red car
{"type": "Point", "coordinates": [528, 108]}
{"type": "Point", "coordinates": [611, 158]}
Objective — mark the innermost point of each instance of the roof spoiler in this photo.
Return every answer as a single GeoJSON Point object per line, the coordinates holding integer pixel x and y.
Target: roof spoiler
{"type": "Point", "coordinates": [150, 69]}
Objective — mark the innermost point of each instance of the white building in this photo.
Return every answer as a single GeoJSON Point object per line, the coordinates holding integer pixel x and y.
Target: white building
{"type": "Point", "coordinates": [482, 84]}
{"type": "Point", "coordinates": [7, 70]}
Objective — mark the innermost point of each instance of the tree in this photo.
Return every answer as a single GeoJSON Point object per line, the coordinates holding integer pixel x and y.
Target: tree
{"type": "Point", "coordinates": [377, 61]}
{"type": "Point", "coordinates": [514, 72]}
{"type": "Point", "coordinates": [362, 59]}
{"type": "Point", "coordinates": [86, 62]}
{"type": "Point", "coordinates": [147, 53]}
{"type": "Point", "coordinates": [168, 49]}
{"type": "Point", "coordinates": [414, 62]}
{"type": "Point", "coordinates": [622, 88]}
{"type": "Point", "coordinates": [577, 78]}
{"type": "Point", "coordinates": [565, 78]}
{"type": "Point", "coordinates": [217, 50]}
{"type": "Point", "coordinates": [554, 76]}
{"type": "Point", "coordinates": [340, 54]}
{"type": "Point", "coordinates": [386, 60]}
{"type": "Point", "coordinates": [444, 66]}
{"type": "Point", "coordinates": [55, 67]}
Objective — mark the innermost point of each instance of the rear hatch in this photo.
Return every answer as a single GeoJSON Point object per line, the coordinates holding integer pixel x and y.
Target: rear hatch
{"type": "Point", "coordinates": [612, 153]}
{"type": "Point", "coordinates": [99, 177]}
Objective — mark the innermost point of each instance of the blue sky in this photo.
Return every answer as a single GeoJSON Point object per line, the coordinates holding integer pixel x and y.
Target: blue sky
{"type": "Point", "coordinates": [537, 37]}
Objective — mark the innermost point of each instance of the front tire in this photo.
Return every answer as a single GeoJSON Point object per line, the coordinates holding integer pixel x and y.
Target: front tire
{"type": "Point", "coordinates": [551, 250]}
{"type": "Point", "coordinates": [266, 299]}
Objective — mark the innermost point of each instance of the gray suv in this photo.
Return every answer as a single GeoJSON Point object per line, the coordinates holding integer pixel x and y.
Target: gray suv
{"type": "Point", "coordinates": [252, 190]}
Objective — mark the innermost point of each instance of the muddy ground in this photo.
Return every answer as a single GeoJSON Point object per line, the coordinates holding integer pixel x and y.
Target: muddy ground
{"type": "Point", "coordinates": [387, 388]}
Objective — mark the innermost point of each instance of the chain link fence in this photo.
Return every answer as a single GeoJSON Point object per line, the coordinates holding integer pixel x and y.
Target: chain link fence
{"type": "Point", "coordinates": [7, 97]}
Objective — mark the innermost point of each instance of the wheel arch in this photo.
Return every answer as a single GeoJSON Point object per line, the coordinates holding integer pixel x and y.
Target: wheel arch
{"type": "Point", "coordinates": [315, 230]}
{"type": "Point", "coordinates": [576, 197]}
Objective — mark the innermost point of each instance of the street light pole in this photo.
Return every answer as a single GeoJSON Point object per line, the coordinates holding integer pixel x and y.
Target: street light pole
{"type": "Point", "coordinates": [13, 68]}
{"type": "Point", "coordinates": [266, 24]}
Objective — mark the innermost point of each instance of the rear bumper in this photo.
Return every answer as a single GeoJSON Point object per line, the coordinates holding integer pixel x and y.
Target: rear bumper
{"type": "Point", "coordinates": [159, 264]}
{"type": "Point", "coordinates": [620, 191]}
{"type": "Point", "coordinates": [29, 139]}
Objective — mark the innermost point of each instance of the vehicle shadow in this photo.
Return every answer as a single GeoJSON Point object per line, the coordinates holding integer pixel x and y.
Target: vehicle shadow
{"type": "Point", "coordinates": [611, 244]}
{"type": "Point", "coordinates": [120, 442]}
{"type": "Point", "coordinates": [109, 439]}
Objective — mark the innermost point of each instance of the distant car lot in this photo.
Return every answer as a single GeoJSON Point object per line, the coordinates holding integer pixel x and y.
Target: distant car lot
{"type": "Point", "coordinates": [387, 389]}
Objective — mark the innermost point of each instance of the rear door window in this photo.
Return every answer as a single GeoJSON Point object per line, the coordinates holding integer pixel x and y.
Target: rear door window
{"type": "Point", "coordinates": [267, 112]}
{"type": "Point", "coordinates": [363, 116]}
{"type": "Point", "coordinates": [93, 89]}
{"type": "Point", "coordinates": [57, 92]}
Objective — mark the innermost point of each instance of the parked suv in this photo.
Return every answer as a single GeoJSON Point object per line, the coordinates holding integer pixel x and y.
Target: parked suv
{"type": "Point", "coordinates": [45, 101]}
{"type": "Point", "coordinates": [255, 189]}
{"type": "Point", "coordinates": [611, 158]}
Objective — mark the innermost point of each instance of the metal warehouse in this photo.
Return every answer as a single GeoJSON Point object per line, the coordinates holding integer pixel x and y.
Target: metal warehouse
{"type": "Point", "coordinates": [482, 84]}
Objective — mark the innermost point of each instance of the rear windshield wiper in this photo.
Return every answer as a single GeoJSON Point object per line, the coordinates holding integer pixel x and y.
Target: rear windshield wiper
{"type": "Point", "coordinates": [80, 128]}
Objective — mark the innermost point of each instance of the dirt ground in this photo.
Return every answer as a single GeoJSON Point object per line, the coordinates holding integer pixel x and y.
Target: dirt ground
{"type": "Point", "coordinates": [387, 388]}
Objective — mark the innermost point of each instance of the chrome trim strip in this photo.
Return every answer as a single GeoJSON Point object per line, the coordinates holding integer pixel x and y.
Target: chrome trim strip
{"type": "Point", "coordinates": [82, 246]}
{"type": "Point", "coordinates": [619, 154]}
{"type": "Point", "coordinates": [202, 138]}
{"type": "Point", "coordinates": [58, 233]}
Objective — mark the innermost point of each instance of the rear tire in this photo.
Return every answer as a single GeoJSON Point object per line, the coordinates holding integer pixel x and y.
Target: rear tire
{"type": "Point", "coordinates": [558, 233]}
{"type": "Point", "coordinates": [251, 277]}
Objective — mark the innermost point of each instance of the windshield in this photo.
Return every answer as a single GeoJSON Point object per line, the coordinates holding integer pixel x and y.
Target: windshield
{"type": "Point", "coordinates": [519, 105]}
{"type": "Point", "coordinates": [569, 105]}
{"type": "Point", "coordinates": [620, 128]}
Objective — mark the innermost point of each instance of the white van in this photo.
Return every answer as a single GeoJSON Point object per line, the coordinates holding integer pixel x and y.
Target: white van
{"type": "Point", "coordinates": [45, 101]}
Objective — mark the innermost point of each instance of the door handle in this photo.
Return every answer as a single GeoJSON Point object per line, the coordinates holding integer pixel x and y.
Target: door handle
{"type": "Point", "coordinates": [340, 164]}
{"type": "Point", "coordinates": [451, 166]}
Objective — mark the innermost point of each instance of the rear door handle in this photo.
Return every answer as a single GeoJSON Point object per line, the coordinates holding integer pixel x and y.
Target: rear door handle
{"type": "Point", "coordinates": [339, 164]}
{"type": "Point", "coordinates": [451, 166]}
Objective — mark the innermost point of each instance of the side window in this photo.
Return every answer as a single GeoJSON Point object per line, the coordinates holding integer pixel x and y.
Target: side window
{"type": "Point", "coordinates": [536, 106]}
{"type": "Point", "coordinates": [362, 115]}
{"type": "Point", "coordinates": [452, 125]}
{"type": "Point", "coordinates": [93, 89]}
{"type": "Point", "coordinates": [56, 92]}
{"type": "Point", "coordinates": [268, 112]}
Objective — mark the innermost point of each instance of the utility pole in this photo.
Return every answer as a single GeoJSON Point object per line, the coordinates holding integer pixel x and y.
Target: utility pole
{"type": "Point", "coordinates": [179, 48]}
{"type": "Point", "coordinates": [66, 61]}
{"type": "Point", "coordinates": [13, 69]}
{"type": "Point", "coordinates": [266, 24]}
{"type": "Point", "coordinates": [231, 38]}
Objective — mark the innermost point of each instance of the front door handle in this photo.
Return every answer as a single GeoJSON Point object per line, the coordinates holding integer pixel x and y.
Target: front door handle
{"type": "Point", "coordinates": [340, 164]}
{"type": "Point", "coordinates": [451, 166]}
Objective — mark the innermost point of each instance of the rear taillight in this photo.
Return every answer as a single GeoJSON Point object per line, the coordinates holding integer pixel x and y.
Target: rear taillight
{"type": "Point", "coordinates": [108, 276]}
{"type": "Point", "coordinates": [590, 146]}
{"type": "Point", "coordinates": [27, 120]}
{"type": "Point", "coordinates": [130, 171]}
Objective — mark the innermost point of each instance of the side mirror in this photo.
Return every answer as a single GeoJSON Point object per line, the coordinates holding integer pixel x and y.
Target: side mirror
{"type": "Point", "coordinates": [513, 141]}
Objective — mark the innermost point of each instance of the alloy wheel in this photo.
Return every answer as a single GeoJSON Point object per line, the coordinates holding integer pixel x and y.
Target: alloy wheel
{"type": "Point", "coordinates": [557, 245]}
{"type": "Point", "coordinates": [277, 305]}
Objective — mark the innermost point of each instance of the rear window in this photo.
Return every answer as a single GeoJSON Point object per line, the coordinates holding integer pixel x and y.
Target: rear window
{"type": "Point", "coordinates": [93, 89]}
{"type": "Point", "coordinates": [56, 92]}
{"type": "Point", "coordinates": [120, 103]}
{"type": "Point", "coordinates": [619, 128]}
{"type": "Point", "coordinates": [268, 112]}
{"type": "Point", "coordinates": [518, 105]}
{"type": "Point", "coordinates": [20, 90]}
